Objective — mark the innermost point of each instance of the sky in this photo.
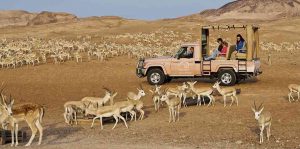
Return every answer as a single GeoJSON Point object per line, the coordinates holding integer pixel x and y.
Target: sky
{"type": "Point", "coordinates": [132, 9]}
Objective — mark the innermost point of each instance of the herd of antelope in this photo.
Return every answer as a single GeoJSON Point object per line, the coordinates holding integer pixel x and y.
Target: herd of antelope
{"type": "Point", "coordinates": [101, 107]}
{"type": "Point", "coordinates": [37, 51]}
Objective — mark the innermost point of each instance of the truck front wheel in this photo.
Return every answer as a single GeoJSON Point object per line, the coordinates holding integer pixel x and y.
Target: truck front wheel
{"type": "Point", "coordinates": [156, 76]}
{"type": "Point", "coordinates": [227, 77]}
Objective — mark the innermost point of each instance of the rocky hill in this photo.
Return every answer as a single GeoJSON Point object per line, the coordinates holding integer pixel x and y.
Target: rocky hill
{"type": "Point", "coordinates": [253, 10]}
{"type": "Point", "coordinates": [23, 18]}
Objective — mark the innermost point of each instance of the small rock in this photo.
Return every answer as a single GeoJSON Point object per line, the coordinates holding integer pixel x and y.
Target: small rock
{"type": "Point", "coordinates": [277, 141]}
{"type": "Point", "coordinates": [239, 142]}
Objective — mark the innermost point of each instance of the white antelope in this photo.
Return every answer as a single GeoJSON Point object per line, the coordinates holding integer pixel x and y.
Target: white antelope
{"type": "Point", "coordinates": [174, 105]}
{"type": "Point", "coordinates": [109, 96]}
{"type": "Point", "coordinates": [294, 88]}
{"type": "Point", "coordinates": [264, 120]}
{"type": "Point", "coordinates": [133, 96]}
{"type": "Point", "coordinates": [156, 93]}
{"type": "Point", "coordinates": [106, 111]}
{"type": "Point", "coordinates": [32, 114]}
{"type": "Point", "coordinates": [203, 92]}
{"type": "Point", "coordinates": [127, 106]}
{"type": "Point", "coordinates": [227, 92]}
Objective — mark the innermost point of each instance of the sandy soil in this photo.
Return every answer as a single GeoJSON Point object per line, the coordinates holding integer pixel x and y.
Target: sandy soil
{"type": "Point", "coordinates": [199, 127]}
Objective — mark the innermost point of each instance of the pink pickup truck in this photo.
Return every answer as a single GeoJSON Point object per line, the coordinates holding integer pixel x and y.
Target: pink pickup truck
{"type": "Point", "coordinates": [226, 69]}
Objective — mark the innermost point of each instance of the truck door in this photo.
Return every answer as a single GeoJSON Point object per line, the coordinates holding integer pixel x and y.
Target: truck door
{"type": "Point", "coordinates": [182, 65]}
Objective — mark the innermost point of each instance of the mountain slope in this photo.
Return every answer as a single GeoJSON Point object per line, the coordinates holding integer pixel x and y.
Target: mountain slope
{"type": "Point", "coordinates": [22, 18]}
{"type": "Point", "coordinates": [253, 10]}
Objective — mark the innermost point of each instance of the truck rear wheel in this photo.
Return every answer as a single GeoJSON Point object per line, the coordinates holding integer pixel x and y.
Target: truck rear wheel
{"type": "Point", "coordinates": [227, 77]}
{"type": "Point", "coordinates": [156, 76]}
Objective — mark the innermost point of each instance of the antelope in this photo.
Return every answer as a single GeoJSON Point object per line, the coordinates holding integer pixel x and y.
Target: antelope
{"type": "Point", "coordinates": [32, 114]}
{"type": "Point", "coordinates": [179, 91]}
{"type": "Point", "coordinates": [70, 114]}
{"type": "Point", "coordinates": [127, 106]}
{"type": "Point", "coordinates": [71, 109]}
{"type": "Point", "coordinates": [138, 105]}
{"type": "Point", "coordinates": [264, 120]}
{"type": "Point", "coordinates": [203, 92]}
{"type": "Point", "coordinates": [227, 92]}
{"type": "Point", "coordinates": [174, 105]}
{"type": "Point", "coordinates": [109, 95]}
{"type": "Point", "coordinates": [156, 93]}
{"type": "Point", "coordinates": [294, 88]}
{"type": "Point", "coordinates": [106, 111]}
{"type": "Point", "coordinates": [133, 96]}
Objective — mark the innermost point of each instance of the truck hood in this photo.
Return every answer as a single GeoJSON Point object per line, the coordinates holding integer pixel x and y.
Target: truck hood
{"type": "Point", "coordinates": [159, 59]}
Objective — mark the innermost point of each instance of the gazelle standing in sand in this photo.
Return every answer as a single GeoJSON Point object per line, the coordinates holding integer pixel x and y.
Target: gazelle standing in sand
{"type": "Point", "coordinates": [136, 100]}
{"type": "Point", "coordinates": [156, 93]}
{"type": "Point", "coordinates": [174, 105]}
{"type": "Point", "coordinates": [294, 88]}
{"type": "Point", "coordinates": [264, 120]}
{"type": "Point", "coordinates": [227, 92]}
{"type": "Point", "coordinates": [32, 114]}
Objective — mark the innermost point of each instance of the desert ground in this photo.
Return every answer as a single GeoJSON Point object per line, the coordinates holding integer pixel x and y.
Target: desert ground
{"type": "Point", "coordinates": [51, 85]}
{"type": "Point", "coordinates": [199, 127]}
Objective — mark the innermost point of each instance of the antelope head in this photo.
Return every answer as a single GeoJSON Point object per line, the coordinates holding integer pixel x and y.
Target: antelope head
{"type": "Point", "coordinates": [164, 95]}
{"type": "Point", "coordinates": [191, 84]}
{"type": "Point", "coordinates": [141, 91]}
{"type": "Point", "coordinates": [6, 105]}
{"type": "Point", "coordinates": [257, 111]}
{"type": "Point", "coordinates": [107, 91]}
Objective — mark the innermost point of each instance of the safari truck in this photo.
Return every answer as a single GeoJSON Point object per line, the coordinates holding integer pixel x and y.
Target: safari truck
{"type": "Point", "coordinates": [226, 69]}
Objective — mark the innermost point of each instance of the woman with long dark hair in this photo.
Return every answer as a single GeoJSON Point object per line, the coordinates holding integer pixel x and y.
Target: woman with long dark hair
{"type": "Point", "coordinates": [240, 47]}
{"type": "Point", "coordinates": [240, 44]}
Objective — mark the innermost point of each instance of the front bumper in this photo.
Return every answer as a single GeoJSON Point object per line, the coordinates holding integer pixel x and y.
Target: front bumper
{"type": "Point", "coordinates": [140, 70]}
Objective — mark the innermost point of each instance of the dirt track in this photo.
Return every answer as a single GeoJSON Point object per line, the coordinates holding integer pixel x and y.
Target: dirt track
{"type": "Point", "coordinates": [199, 127]}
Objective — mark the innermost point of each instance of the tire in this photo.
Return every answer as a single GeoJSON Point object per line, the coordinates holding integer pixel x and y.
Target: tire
{"type": "Point", "coordinates": [227, 77]}
{"type": "Point", "coordinates": [156, 76]}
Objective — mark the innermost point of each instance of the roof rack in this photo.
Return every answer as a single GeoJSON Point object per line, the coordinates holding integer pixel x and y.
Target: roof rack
{"type": "Point", "coordinates": [228, 27]}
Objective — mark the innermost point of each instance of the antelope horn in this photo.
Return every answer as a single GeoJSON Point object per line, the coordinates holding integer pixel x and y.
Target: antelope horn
{"type": "Point", "coordinates": [255, 105]}
{"type": "Point", "coordinates": [141, 86]}
{"type": "Point", "coordinates": [107, 89]}
{"type": "Point", "coordinates": [9, 98]}
{"type": "Point", "coordinates": [260, 106]}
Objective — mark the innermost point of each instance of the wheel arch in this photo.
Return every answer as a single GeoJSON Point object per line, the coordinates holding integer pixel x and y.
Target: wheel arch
{"type": "Point", "coordinates": [156, 67]}
{"type": "Point", "coordinates": [227, 68]}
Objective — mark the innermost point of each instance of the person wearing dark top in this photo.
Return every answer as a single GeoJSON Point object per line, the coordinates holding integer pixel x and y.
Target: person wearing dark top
{"type": "Point", "coordinates": [240, 46]}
